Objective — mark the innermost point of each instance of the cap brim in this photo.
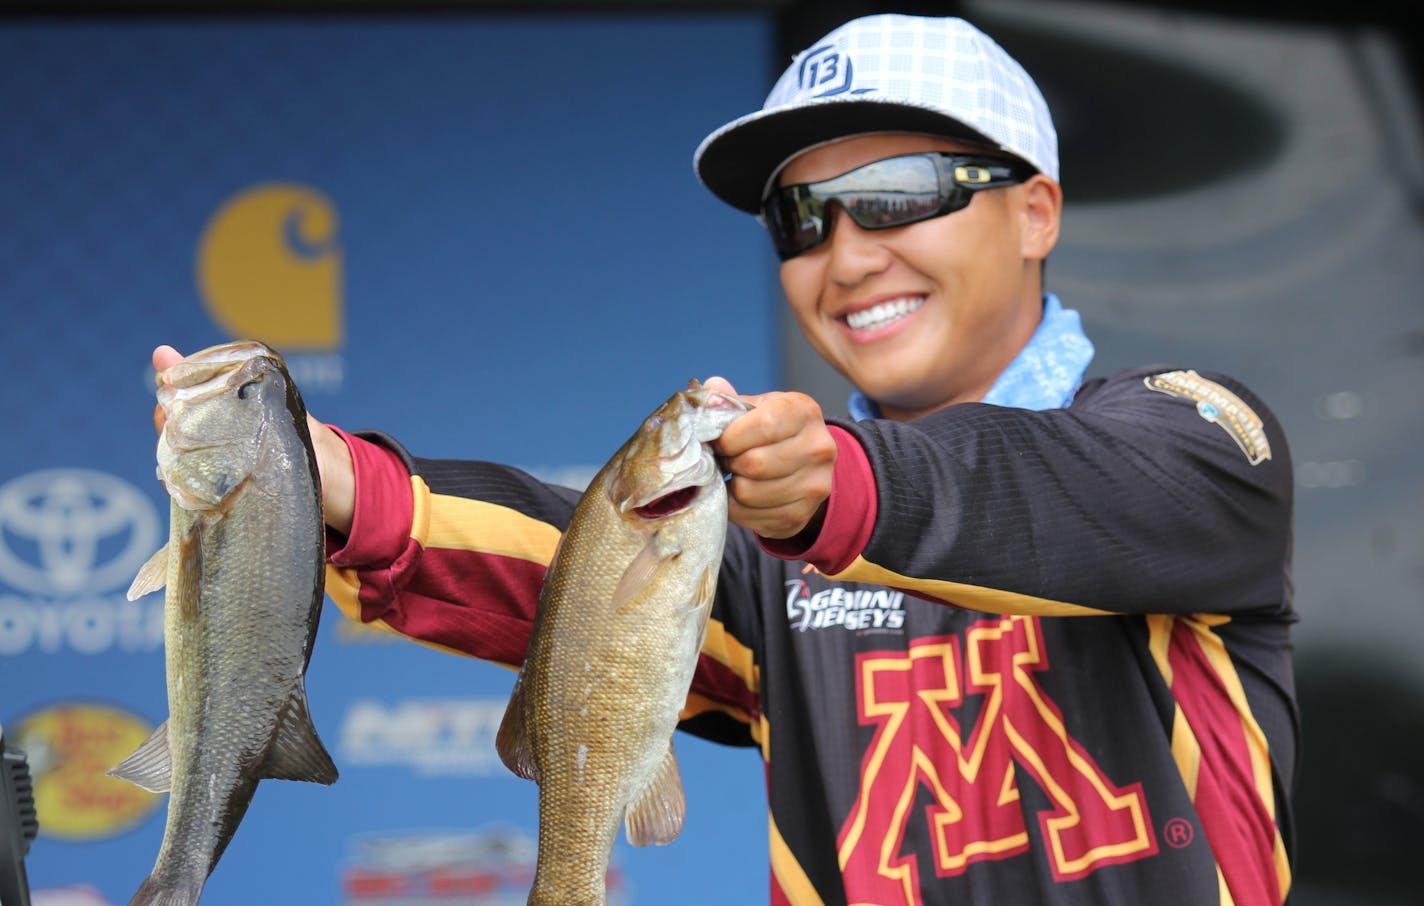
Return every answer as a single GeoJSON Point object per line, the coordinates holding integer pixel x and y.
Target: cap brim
{"type": "Point", "coordinates": [736, 161]}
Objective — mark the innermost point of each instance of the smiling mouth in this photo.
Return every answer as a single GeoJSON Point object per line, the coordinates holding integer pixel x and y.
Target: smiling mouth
{"type": "Point", "coordinates": [880, 315]}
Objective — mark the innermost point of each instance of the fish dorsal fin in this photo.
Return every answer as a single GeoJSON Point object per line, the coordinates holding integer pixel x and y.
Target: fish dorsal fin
{"type": "Point", "coordinates": [151, 764]}
{"type": "Point", "coordinates": [152, 576]}
{"type": "Point", "coordinates": [642, 573]}
{"type": "Point", "coordinates": [657, 815]}
{"type": "Point", "coordinates": [512, 741]}
{"type": "Point", "coordinates": [297, 752]}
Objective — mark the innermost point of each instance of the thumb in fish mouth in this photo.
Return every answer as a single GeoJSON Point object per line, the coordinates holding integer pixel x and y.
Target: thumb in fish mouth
{"type": "Point", "coordinates": [720, 385]}
{"type": "Point", "coordinates": [163, 357]}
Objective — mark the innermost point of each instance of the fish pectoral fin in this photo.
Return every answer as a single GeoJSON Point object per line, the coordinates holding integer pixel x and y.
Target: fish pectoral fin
{"type": "Point", "coordinates": [297, 752]}
{"type": "Point", "coordinates": [512, 741]}
{"type": "Point", "coordinates": [642, 573]}
{"type": "Point", "coordinates": [705, 590]}
{"type": "Point", "coordinates": [152, 576]}
{"type": "Point", "coordinates": [151, 764]}
{"type": "Point", "coordinates": [702, 601]}
{"type": "Point", "coordinates": [657, 815]}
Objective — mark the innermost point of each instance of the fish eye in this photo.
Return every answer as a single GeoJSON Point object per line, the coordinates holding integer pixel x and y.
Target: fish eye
{"type": "Point", "coordinates": [653, 423]}
{"type": "Point", "coordinates": [243, 391]}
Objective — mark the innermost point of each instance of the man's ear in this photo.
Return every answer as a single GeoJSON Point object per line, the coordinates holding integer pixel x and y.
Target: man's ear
{"type": "Point", "coordinates": [1042, 212]}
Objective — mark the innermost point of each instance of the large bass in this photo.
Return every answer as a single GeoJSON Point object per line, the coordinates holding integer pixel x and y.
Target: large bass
{"type": "Point", "coordinates": [244, 574]}
{"type": "Point", "coordinates": [620, 622]}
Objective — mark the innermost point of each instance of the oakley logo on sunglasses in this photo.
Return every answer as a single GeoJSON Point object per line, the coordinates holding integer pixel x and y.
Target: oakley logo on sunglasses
{"type": "Point", "coordinates": [825, 71]}
{"type": "Point", "coordinates": [893, 192]}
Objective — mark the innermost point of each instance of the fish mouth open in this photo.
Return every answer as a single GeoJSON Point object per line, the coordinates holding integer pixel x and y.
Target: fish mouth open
{"type": "Point", "coordinates": [669, 503]}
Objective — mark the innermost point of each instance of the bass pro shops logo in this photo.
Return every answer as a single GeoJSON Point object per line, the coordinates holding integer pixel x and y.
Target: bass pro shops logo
{"type": "Point", "coordinates": [70, 541]}
{"type": "Point", "coordinates": [70, 747]}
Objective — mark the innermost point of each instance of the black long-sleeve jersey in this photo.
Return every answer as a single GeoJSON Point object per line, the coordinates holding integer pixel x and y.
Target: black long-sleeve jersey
{"type": "Point", "coordinates": [1031, 657]}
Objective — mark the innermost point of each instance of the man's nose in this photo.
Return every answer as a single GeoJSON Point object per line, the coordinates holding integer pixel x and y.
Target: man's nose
{"type": "Point", "coordinates": [854, 253]}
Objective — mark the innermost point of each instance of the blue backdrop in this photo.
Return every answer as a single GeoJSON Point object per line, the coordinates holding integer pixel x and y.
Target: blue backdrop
{"type": "Point", "coordinates": [480, 234]}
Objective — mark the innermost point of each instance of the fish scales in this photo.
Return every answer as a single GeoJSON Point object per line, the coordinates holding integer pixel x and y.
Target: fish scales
{"type": "Point", "coordinates": [244, 575]}
{"type": "Point", "coordinates": [616, 636]}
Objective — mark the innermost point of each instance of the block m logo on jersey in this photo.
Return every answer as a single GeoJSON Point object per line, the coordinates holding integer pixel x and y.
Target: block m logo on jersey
{"type": "Point", "coordinates": [911, 697]}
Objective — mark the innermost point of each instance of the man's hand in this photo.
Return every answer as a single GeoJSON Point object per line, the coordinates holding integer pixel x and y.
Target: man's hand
{"type": "Point", "coordinates": [333, 459]}
{"type": "Point", "coordinates": [782, 458]}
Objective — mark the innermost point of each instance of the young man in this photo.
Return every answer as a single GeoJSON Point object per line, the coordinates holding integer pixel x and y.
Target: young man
{"type": "Point", "coordinates": [1005, 637]}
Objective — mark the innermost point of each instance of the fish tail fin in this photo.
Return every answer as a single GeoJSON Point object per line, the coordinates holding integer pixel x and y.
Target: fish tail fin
{"type": "Point", "coordinates": [153, 892]}
{"type": "Point", "coordinates": [657, 816]}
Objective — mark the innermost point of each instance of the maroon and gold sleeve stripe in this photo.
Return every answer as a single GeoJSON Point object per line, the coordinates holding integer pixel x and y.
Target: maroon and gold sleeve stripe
{"type": "Point", "coordinates": [1224, 758]}
{"type": "Point", "coordinates": [413, 556]}
{"type": "Point", "coordinates": [728, 681]}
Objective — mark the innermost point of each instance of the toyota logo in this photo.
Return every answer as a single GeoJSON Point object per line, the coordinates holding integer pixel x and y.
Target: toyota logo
{"type": "Point", "coordinates": [66, 532]}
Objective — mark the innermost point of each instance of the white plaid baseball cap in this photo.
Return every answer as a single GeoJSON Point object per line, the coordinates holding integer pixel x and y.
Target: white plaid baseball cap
{"type": "Point", "coordinates": [886, 73]}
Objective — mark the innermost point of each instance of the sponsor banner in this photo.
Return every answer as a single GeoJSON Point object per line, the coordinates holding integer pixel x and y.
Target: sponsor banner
{"type": "Point", "coordinates": [487, 866]}
{"type": "Point", "coordinates": [69, 748]}
{"type": "Point", "coordinates": [361, 196]}
{"type": "Point", "coordinates": [430, 738]}
{"type": "Point", "coordinates": [69, 895]}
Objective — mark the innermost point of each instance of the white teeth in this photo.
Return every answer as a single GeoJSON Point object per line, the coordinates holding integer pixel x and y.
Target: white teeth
{"type": "Point", "coordinates": [884, 313]}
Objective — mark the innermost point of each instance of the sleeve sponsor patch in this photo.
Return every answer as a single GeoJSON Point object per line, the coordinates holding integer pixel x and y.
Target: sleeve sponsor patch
{"type": "Point", "coordinates": [1219, 406]}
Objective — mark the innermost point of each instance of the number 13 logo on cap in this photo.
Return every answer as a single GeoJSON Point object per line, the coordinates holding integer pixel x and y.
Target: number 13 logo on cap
{"type": "Point", "coordinates": [825, 71]}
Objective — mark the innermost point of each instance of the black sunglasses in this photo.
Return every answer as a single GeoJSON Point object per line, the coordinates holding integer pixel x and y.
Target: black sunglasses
{"type": "Point", "coordinates": [887, 193]}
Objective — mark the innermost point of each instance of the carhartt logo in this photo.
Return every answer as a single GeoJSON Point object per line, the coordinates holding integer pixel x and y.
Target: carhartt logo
{"type": "Point", "coordinates": [66, 532]}
{"type": "Point", "coordinates": [270, 268]}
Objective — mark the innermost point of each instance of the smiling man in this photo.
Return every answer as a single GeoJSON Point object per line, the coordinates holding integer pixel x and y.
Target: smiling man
{"type": "Point", "coordinates": [1091, 698]}
{"type": "Point", "coordinates": [1004, 636]}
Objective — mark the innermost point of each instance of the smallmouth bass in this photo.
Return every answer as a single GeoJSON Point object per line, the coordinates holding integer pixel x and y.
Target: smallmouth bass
{"type": "Point", "coordinates": [619, 625]}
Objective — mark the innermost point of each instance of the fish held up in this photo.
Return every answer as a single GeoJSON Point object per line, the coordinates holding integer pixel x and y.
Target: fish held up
{"type": "Point", "coordinates": [243, 571]}
{"type": "Point", "coordinates": [620, 622]}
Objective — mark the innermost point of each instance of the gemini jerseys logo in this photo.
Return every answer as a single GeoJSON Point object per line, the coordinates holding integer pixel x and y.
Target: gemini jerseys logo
{"type": "Point", "coordinates": [1219, 406]}
{"type": "Point", "coordinates": [915, 700]}
{"type": "Point", "coordinates": [858, 610]}
{"type": "Point", "coordinates": [270, 268]}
